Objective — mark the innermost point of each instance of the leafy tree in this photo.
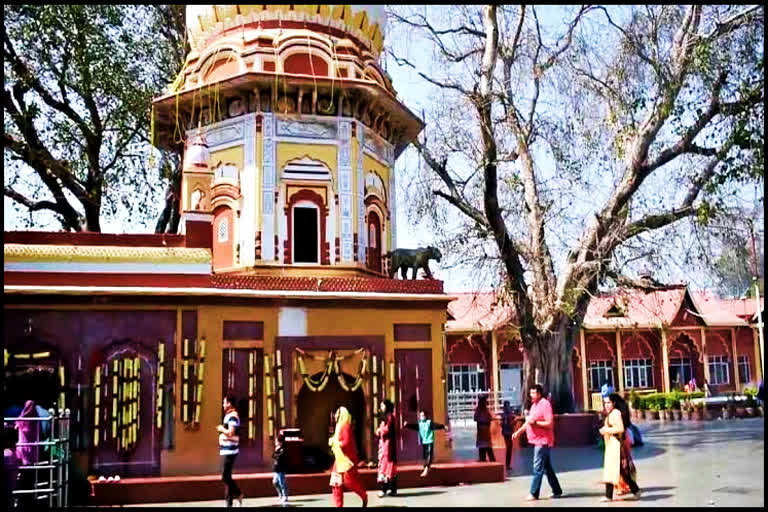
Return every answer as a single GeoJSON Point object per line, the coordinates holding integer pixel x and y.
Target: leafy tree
{"type": "Point", "coordinates": [79, 80]}
{"type": "Point", "coordinates": [566, 151]}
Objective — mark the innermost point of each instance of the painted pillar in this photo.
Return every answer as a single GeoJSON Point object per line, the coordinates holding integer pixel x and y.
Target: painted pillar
{"type": "Point", "coordinates": [758, 358]}
{"type": "Point", "coordinates": [704, 356]}
{"type": "Point", "coordinates": [247, 222]}
{"type": "Point", "coordinates": [584, 386]}
{"type": "Point", "coordinates": [664, 360]}
{"type": "Point", "coordinates": [735, 360]}
{"type": "Point", "coordinates": [345, 190]}
{"type": "Point", "coordinates": [620, 362]}
{"type": "Point", "coordinates": [362, 231]}
{"type": "Point", "coordinates": [268, 249]}
{"type": "Point", "coordinates": [494, 364]}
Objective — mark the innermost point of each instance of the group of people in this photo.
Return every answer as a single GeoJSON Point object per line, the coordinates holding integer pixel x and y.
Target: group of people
{"type": "Point", "coordinates": [619, 472]}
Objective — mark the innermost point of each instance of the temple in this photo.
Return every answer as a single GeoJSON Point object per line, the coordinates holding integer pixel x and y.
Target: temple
{"type": "Point", "coordinates": [275, 287]}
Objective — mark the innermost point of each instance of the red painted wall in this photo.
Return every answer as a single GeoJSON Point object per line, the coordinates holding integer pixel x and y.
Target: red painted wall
{"type": "Point", "coordinates": [223, 253]}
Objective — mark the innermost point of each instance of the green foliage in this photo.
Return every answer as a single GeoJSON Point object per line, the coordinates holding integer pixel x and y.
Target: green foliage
{"type": "Point", "coordinates": [79, 80]}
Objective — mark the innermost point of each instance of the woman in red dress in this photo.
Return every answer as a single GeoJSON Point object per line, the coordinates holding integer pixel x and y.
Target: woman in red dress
{"type": "Point", "coordinates": [344, 470]}
{"type": "Point", "coordinates": [387, 433]}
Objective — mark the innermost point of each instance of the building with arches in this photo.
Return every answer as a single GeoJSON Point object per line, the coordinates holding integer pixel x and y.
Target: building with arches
{"type": "Point", "coordinates": [276, 286]}
{"type": "Point", "coordinates": [655, 341]}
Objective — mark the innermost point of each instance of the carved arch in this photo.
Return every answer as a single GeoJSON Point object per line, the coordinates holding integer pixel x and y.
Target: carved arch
{"type": "Point", "coordinates": [468, 340]}
{"type": "Point", "coordinates": [641, 341]}
{"type": "Point", "coordinates": [597, 338]}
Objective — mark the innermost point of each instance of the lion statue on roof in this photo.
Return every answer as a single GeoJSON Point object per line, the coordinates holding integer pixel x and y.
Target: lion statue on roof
{"type": "Point", "coordinates": [415, 259]}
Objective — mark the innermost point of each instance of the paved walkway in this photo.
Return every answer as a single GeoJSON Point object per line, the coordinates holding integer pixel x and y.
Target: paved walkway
{"type": "Point", "coordinates": [697, 464]}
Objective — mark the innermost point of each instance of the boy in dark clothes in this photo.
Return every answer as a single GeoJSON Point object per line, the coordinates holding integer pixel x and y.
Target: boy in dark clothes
{"type": "Point", "coordinates": [279, 467]}
{"type": "Point", "coordinates": [426, 429]}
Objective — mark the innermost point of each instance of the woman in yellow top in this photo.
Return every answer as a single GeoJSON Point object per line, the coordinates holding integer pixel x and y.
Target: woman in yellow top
{"type": "Point", "coordinates": [344, 470]}
{"type": "Point", "coordinates": [618, 463]}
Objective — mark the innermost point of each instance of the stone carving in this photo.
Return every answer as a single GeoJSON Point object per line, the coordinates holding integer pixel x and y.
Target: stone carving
{"type": "Point", "coordinates": [290, 128]}
{"type": "Point", "coordinates": [415, 259]}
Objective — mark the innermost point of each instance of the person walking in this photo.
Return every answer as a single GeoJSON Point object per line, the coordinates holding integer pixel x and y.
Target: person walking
{"type": "Point", "coordinates": [229, 447]}
{"type": "Point", "coordinates": [426, 429]}
{"type": "Point", "coordinates": [279, 467]}
{"type": "Point", "coordinates": [539, 428]}
{"type": "Point", "coordinates": [387, 434]}
{"type": "Point", "coordinates": [483, 420]}
{"type": "Point", "coordinates": [507, 426]}
{"type": "Point", "coordinates": [618, 463]}
{"type": "Point", "coordinates": [344, 470]}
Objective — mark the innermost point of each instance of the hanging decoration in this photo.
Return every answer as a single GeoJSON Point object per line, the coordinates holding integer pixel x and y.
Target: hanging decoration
{"type": "Point", "coordinates": [252, 396]}
{"type": "Point", "coordinates": [279, 390]}
{"type": "Point", "coordinates": [270, 386]}
{"type": "Point", "coordinates": [161, 365]}
{"type": "Point", "coordinates": [97, 404]}
{"type": "Point", "coordinates": [331, 365]}
{"type": "Point", "coordinates": [117, 383]}
{"type": "Point", "coordinates": [192, 377]}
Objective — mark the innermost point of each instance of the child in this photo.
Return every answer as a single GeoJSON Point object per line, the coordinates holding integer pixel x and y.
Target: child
{"type": "Point", "coordinates": [426, 429]}
{"type": "Point", "coordinates": [279, 467]}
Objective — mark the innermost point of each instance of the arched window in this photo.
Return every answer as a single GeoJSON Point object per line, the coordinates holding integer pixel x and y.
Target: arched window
{"type": "Point", "coordinates": [305, 64]}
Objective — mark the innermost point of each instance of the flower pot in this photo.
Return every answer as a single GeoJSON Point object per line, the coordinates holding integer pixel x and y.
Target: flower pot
{"type": "Point", "coordinates": [725, 413]}
{"type": "Point", "coordinates": [741, 412]}
{"type": "Point", "coordinates": [654, 415]}
{"type": "Point", "coordinates": [678, 414]}
{"type": "Point", "coordinates": [688, 415]}
{"type": "Point", "coordinates": [699, 414]}
{"type": "Point", "coordinates": [663, 415]}
{"type": "Point", "coordinates": [760, 411]}
{"type": "Point", "coordinates": [750, 411]}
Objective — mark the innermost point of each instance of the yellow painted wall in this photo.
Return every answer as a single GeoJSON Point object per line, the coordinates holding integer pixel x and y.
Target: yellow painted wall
{"type": "Point", "coordinates": [196, 451]}
{"type": "Point", "coordinates": [371, 164]}
{"type": "Point", "coordinates": [233, 155]}
{"type": "Point", "coordinates": [326, 153]}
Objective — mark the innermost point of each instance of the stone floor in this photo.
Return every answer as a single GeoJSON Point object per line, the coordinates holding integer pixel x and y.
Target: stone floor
{"type": "Point", "coordinates": [697, 464]}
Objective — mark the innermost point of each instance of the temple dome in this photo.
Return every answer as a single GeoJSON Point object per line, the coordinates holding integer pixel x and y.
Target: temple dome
{"type": "Point", "coordinates": [362, 22]}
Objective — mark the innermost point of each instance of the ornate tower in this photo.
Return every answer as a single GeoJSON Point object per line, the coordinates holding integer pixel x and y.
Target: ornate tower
{"type": "Point", "coordinates": [290, 130]}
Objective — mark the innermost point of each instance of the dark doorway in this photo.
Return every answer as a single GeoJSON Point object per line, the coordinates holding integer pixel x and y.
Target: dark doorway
{"type": "Point", "coordinates": [305, 235]}
{"type": "Point", "coordinates": [374, 241]}
{"type": "Point", "coordinates": [241, 368]}
{"type": "Point", "coordinates": [315, 409]}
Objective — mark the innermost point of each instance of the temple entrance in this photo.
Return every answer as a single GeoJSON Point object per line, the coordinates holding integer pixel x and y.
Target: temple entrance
{"type": "Point", "coordinates": [374, 241]}
{"type": "Point", "coordinates": [315, 418]}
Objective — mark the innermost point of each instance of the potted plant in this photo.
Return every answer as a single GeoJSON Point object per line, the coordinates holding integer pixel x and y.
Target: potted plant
{"type": "Point", "coordinates": [730, 406]}
{"type": "Point", "coordinates": [654, 411]}
{"type": "Point", "coordinates": [741, 408]}
{"type": "Point", "coordinates": [664, 413]}
{"type": "Point", "coordinates": [677, 409]}
{"type": "Point", "coordinates": [750, 405]}
{"type": "Point", "coordinates": [687, 408]}
{"type": "Point", "coordinates": [642, 406]}
{"type": "Point", "coordinates": [699, 408]}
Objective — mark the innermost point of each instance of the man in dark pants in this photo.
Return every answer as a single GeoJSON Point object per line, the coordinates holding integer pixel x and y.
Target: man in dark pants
{"type": "Point", "coordinates": [539, 428]}
{"type": "Point", "coordinates": [229, 447]}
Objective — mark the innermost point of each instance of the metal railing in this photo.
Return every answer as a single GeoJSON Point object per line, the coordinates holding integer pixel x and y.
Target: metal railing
{"type": "Point", "coordinates": [45, 476]}
{"type": "Point", "coordinates": [461, 404]}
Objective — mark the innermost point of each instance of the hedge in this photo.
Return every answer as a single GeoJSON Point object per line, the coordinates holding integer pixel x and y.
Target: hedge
{"type": "Point", "coordinates": [671, 400]}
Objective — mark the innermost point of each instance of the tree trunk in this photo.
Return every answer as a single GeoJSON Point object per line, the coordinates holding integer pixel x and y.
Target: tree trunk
{"type": "Point", "coordinates": [551, 354]}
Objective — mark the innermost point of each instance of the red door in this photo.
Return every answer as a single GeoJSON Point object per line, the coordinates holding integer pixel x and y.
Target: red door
{"type": "Point", "coordinates": [241, 374]}
{"type": "Point", "coordinates": [374, 241]}
{"type": "Point", "coordinates": [413, 392]}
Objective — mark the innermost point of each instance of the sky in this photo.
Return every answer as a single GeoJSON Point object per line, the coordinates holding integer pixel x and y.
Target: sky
{"type": "Point", "coordinates": [418, 96]}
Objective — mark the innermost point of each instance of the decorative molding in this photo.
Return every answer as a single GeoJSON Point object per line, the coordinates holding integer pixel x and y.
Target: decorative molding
{"type": "Point", "coordinates": [304, 129]}
{"type": "Point", "coordinates": [103, 254]}
{"type": "Point", "coordinates": [379, 148]}
{"type": "Point", "coordinates": [596, 338]}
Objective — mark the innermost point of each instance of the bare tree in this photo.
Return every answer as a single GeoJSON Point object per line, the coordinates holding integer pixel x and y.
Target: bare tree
{"type": "Point", "coordinates": [567, 147]}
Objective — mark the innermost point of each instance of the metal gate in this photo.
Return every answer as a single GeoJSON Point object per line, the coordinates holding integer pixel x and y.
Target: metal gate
{"type": "Point", "coordinates": [43, 471]}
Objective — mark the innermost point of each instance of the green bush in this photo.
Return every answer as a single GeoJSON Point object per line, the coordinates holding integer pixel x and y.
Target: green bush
{"type": "Point", "coordinates": [634, 400]}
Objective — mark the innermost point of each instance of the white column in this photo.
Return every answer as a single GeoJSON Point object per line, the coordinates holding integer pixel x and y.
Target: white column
{"type": "Point", "coordinates": [268, 188]}
{"type": "Point", "coordinates": [282, 224]}
{"type": "Point", "coordinates": [247, 224]}
{"type": "Point", "coordinates": [393, 206]}
{"type": "Point", "coordinates": [345, 190]}
{"type": "Point", "coordinates": [362, 232]}
{"type": "Point", "coordinates": [330, 225]}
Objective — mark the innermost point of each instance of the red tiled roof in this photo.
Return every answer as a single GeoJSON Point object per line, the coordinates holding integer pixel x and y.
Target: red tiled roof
{"type": "Point", "coordinates": [477, 312]}
{"type": "Point", "coordinates": [327, 284]}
